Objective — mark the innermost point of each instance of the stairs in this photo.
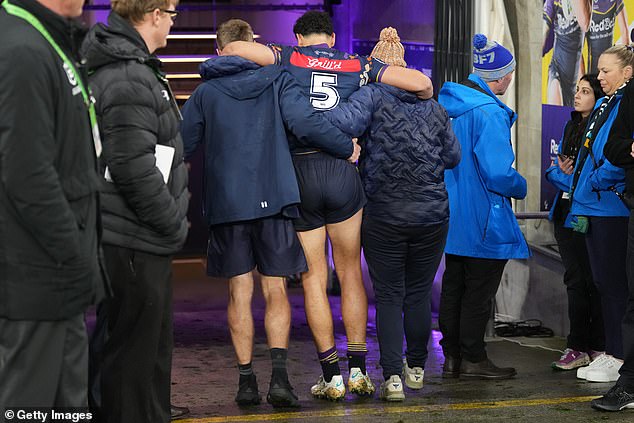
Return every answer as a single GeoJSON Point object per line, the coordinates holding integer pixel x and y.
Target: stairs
{"type": "Point", "coordinates": [185, 51]}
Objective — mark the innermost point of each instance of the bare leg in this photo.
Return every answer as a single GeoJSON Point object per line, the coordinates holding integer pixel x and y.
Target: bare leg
{"type": "Point", "coordinates": [239, 316]}
{"type": "Point", "coordinates": [314, 282]}
{"type": "Point", "coordinates": [277, 319]}
{"type": "Point", "coordinates": [346, 248]}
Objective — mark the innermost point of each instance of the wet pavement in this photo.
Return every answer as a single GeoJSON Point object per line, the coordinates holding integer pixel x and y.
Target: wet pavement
{"type": "Point", "coordinates": [205, 376]}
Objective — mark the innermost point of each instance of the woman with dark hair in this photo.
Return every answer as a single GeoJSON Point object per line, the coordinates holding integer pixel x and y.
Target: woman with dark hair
{"type": "Point", "coordinates": [586, 339]}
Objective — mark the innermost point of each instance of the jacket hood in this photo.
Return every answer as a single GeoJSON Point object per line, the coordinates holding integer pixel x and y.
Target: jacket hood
{"type": "Point", "coordinates": [115, 42]}
{"type": "Point", "coordinates": [237, 77]}
{"type": "Point", "coordinates": [459, 99]}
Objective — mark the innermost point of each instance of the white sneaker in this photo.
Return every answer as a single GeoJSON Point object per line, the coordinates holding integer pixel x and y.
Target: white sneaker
{"type": "Point", "coordinates": [413, 376]}
{"type": "Point", "coordinates": [596, 363]}
{"type": "Point", "coordinates": [333, 390]}
{"type": "Point", "coordinates": [609, 372]}
{"type": "Point", "coordinates": [392, 389]}
{"type": "Point", "coordinates": [359, 383]}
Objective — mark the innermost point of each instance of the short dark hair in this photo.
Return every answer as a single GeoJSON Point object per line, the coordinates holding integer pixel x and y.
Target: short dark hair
{"type": "Point", "coordinates": [233, 30]}
{"type": "Point", "coordinates": [593, 80]}
{"type": "Point", "coordinates": [313, 22]}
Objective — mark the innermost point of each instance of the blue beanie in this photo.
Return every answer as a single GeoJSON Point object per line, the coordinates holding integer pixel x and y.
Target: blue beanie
{"type": "Point", "coordinates": [491, 61]}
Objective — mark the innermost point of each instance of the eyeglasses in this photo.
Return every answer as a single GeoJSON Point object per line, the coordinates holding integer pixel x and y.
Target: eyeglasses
{"type": "Point", "coordinates": [172, 13]}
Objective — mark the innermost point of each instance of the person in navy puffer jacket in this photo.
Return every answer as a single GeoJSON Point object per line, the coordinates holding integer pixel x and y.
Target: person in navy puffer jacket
{"type": "Point", "coordinates": [407, 145]}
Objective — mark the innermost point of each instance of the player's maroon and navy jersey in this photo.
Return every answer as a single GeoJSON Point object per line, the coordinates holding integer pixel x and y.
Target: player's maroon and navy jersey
{"type": "Point", "coordinates": [326, 75]}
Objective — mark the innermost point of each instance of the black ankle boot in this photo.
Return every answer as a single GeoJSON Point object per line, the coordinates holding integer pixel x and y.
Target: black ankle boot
{"type": "Point", "coordinates": [451, 368]}
{"type": "Point", "coordinates": [485, 370]}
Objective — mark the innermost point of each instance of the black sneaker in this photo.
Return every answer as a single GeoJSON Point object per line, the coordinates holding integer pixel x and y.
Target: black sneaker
{"type": "Point", "coordinates": [281, 394]}
{"type": "Point", "coordinates": [616, 399]}
{"type": "Point", "coordinates": [248, 391]}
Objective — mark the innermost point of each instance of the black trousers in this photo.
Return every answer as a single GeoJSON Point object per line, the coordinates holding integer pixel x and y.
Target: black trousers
{"type": "Point", "coordinates": [584, 301]}
{"type": "Point", "coordinates": [607, 247]}
{"type": "Point", "coordinates": [43, 364]}
{"type": "Point", "coordinates": [627, 370]}
{"type": "Point", "coordinates": [468, 288]}
{"type": "Point", "coordinates": [136, 359]}
{"type": "Point", "coordinates": [402, 262]}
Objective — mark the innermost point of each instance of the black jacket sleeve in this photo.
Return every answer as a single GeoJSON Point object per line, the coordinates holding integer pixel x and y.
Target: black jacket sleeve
{"type": "Point", "coordinates": [28, 152]}
{"type": "Point", "coordinates": [618, 148]}
{"type": "Point", "coordinates": [310, 127]}
{"type": "Point", "coordinates": [129, 124]}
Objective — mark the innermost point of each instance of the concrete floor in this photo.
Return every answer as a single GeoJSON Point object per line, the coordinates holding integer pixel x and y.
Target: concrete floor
{"type": "Point", "coordinates": [205, 375]}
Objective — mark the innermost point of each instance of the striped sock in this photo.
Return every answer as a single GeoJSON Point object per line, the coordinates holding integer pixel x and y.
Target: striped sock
{"type": "Point", "coordinates": [246, 370]}
{"type": "Point", "coordinates": [356, 355]}
{"type": "Point", "coordinates": [329, 361]}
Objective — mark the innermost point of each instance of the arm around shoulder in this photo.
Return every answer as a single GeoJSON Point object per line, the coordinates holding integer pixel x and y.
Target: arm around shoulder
{"type": "Point", "coordinates": [310, 127]}
{"type": "Point", "coordinates": [410, 80]}
{"type": "Point", "coordinates": [255, 52]}
{"type": "Point", "coordinates": [354, 116]}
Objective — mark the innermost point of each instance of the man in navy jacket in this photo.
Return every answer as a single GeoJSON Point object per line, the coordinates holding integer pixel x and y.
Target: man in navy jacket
{"type": "Point", "coordinates": [242, 113]}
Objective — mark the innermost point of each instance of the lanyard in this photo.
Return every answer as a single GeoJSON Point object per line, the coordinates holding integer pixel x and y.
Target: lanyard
{"type": "Point", "coordinates": [69, 66]}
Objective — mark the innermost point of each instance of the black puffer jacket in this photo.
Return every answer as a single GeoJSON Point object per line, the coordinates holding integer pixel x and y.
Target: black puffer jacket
{"type": "Point", "coordinates": [406, 145]}
{"type": "Point", "coordinates": [49, 267]}
{"type": "Point", "coordinates": [136, 111]}
{"type": "Point", "coordinates": [618, 149]}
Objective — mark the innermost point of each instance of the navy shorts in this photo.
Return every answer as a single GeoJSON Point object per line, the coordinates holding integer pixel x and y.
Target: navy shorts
{"type": "Point", "coordinates": [330, 190]}
{"type": "Point", "coordinates": [270, 244]}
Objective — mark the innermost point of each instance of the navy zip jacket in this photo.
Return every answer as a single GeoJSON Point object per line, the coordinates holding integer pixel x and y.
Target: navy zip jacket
{"type": "Point", "coordinates": [242, 113]}
{"type": "Point", "coordinates": [407, 145]}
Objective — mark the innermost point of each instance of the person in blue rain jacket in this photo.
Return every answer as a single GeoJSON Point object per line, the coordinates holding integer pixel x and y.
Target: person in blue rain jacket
{"type": "Point", "coordinates": [483, 231]}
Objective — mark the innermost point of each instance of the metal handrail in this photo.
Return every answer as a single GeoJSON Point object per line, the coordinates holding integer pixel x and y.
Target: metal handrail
{"type": "Point", "coordinates": [531, 215]}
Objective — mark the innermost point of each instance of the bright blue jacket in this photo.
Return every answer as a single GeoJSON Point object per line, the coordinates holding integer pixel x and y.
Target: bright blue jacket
{"type": "Point", "coordinates": [406, 146]}
{"type": "Point", "coordinates": [481, 220]}
{"type": "Point", "coordinates": [591, 196]}
{"type": "Point", "coordinates": [242, 112]}
{"type": "Point", "coordinates": [554, 175]}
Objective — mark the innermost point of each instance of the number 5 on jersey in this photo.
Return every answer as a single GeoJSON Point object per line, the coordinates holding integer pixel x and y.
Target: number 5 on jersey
{"type": "Point", "coordinates": [324, 95]}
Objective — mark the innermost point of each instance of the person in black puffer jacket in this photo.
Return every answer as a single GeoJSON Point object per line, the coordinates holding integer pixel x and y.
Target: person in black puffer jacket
{"type": "Point", "coordinates": [144, 207]}
{"type": "Point", "coordinates": [49, 214]}
{"type": "Point", "coordinates": [406, 147]}
{"type": "Point", "coordinates": [619, 150]}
